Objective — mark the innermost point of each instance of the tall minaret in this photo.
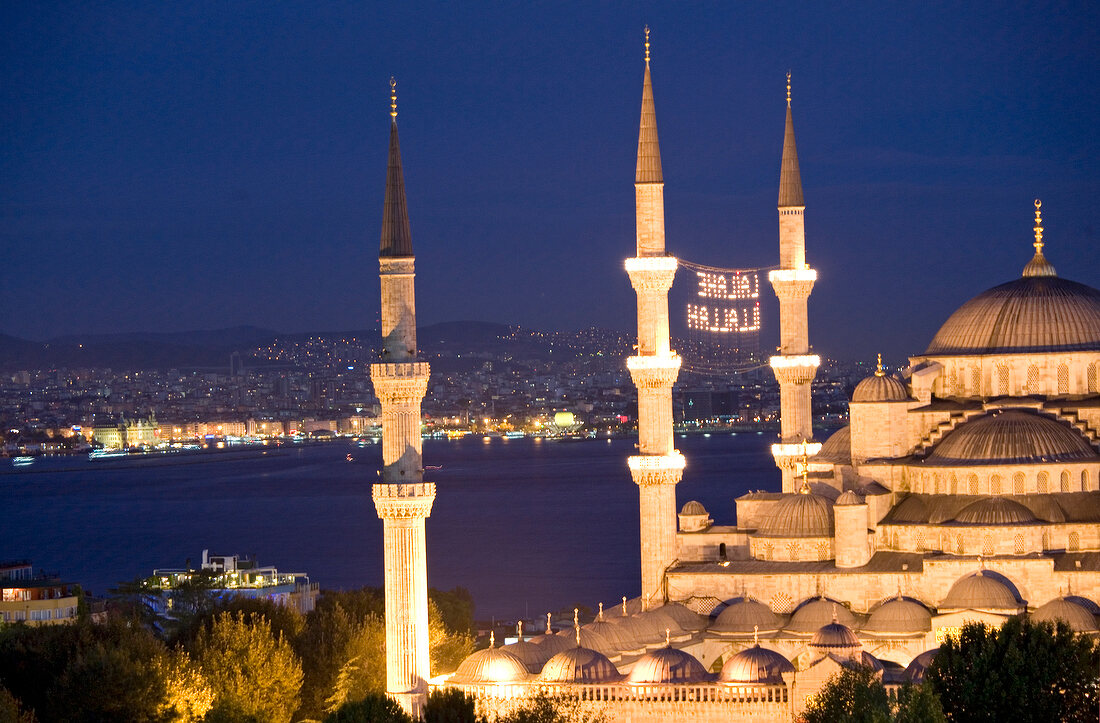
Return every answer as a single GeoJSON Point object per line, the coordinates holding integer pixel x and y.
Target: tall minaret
{"type": "Point", "coordinates": [403, 500]}
{"type": "Point", "coordinates": [658, 466]}
{"type": "Point", "coordinates": [793, 281]}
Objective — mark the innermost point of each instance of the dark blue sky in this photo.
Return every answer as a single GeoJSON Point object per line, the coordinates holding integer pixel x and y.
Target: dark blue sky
{"type": "Point", "coordinates": [170, 166]}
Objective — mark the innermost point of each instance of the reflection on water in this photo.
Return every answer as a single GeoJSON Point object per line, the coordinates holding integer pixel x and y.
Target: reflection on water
{"type": "Point", "coordinates": [527, 526]}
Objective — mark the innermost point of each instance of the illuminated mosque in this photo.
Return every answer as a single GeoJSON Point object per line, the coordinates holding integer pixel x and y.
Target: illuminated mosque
{"type": "Point", "coordinates": [966, 489]}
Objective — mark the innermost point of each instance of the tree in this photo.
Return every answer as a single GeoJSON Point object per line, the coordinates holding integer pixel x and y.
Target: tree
{"type": "Point", "coordinates": [450, 706]}
{"type": "Point", "coordinates": [918, 704]}
{"type": "Point", "coordinates": [375, 708]}
{"type": "Point", "coordinates": [544, 708]}
{"type": "Point", "coordinates": [253, 672]}
{"type": "Point", "coordinates": [855, 695]}
{"type": "Point", "coordinates": [189, 697]}
{"type": "Point", "coordinates": [1024, 671]}
{"type": "Point", "coordinates": [456, 608]}
{"type": "Point", "coordinates": [11, 711]}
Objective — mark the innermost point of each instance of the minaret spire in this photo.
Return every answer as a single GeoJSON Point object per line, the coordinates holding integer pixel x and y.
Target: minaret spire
{"type": "Point", "coordinates": [649, 151]}
{"type": "Point", "coordinates": [790, 181]}
{"type": "Point", "coordinates": [396, 238]}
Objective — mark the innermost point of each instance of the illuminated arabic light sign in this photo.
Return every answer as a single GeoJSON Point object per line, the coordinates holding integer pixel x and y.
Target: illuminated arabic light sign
{"type": "Point", "coordinates": [731, 305]}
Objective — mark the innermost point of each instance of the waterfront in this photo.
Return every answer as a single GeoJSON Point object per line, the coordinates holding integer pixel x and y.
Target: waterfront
{"type": "Point", "coordinates": [518, 522]}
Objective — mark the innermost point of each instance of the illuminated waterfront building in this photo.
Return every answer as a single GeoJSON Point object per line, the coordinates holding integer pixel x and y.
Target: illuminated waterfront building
{"type": "Point", "coordinates": [35, 599]}
{"type": "Point", "coordinates": [966, 489]}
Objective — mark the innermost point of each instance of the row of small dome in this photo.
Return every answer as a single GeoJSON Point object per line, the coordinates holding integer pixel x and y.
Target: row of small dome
{"type": "Point", "coordinates": [580, 665]}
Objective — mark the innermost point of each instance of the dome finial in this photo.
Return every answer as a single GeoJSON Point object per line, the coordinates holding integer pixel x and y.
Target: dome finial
{"type": "Point", "coordinates": [576, 616]}
{"type": "Point", "coordinates": [393, 98]}
{"type": "Point", "coordinates": [1038, 227]}
{"type": "Point", "coordinates": [519, 630]}
{"type": "Point", "coordinates": [668, 637]}
{"type": "Point", "coordinates": [492, 639]}
{"type": "Point", "coordinates": [834, 613]}
{"type": "Point", "coordinates": [548, 631]}
{"type": "Point", "coordinates": [756, 634]}
{"type": "Point", "coordinates": [805, 462]}
{"type": "Point", "coordinates": [577, 631]}
{"type": "Point", "coordinates": [601, 613]}
{"type": "Point", "coordinates": [788, 89]}
{"type": "Point", "coordinates": [624, 606]}
{"type": "Point", "coordinates": [878, 371]}
{"type": "Point", "coordinates": [647, 45]}
{"type": "Point", "coordinates": [981, 565]}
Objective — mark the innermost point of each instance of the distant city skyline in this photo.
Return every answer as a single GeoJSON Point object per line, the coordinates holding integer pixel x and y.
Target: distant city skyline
{"type": "Point", "coordinates": [200, 167]}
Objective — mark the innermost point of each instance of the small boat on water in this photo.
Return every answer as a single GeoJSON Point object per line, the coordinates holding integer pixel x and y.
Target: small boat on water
{"type": "Point", "coordinates": [22, 461]}
{"type": "Point", "coordinates": [107, 453]}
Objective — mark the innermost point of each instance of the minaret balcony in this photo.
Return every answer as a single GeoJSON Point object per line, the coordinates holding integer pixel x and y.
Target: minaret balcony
{"type": "Point", "coordinates": [656, 469]}
{"type": "Point", "coordinates": [792, 283]}
{"type": "Point", "coordinates": [799, 369]}
{"type": "Point", "coordinates": [651, 273]}
{"type": "Point", "coordinates": [650, 372]}
{"type": "Point", "coordinates": [400, 382]}
{"type": "Point", "coordinates": [397, 265]}
{"type": "Point", "coordinates": [403, 501]}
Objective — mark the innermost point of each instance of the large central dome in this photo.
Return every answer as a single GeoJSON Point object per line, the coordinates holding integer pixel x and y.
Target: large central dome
{"type": "Point", "coordinates": [1030, 314]}
{"type": "Point", "coordinates": [1011, 437]}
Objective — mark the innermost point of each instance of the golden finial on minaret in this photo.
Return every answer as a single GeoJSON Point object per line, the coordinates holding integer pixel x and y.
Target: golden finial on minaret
{"type": "Point", "coordinates": [1038, 227]}
{"type": "Point", "coordinates": [879, 372]}
{"type": "Point", "coordinates": [647, 45]}
{"type": "Point", "coordinates": [393, 97]}
{"type": "Point", "coordinates": [788, 89]}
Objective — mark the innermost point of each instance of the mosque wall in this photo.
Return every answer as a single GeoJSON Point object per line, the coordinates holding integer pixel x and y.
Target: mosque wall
{"type": "Point", "coordinates": [1015, 479]}
{"type": "Point", "coordinates": [998, 375]}
{"type": "Point", "coordinates": [879, 429]}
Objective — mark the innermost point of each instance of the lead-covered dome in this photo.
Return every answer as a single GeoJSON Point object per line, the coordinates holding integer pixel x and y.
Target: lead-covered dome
{"type": "Point", "coordinates": [916, 669]}
{"type": "Point", "coordinates": [491, 665]}
{"type": "Point", "coordinates": [995, 511]}
{"type": "Point", "coordinates": [880, 387]}
{"type": "Point", "coordinates": [1077, 616]}
{"type": "Point", "coordinates": [755, 666]}
{"type": "Point", "coordinates": [745, 615]}
{"type": "Point", "coordinates": [982, 590]}
{"type": "Point", "coordinates": [1011, 437]}
{"type": "Point", "coordinates": [802, 514]}
{"type": "Point", "coordinates": [835, 638]}
{"type": "Point", "coordinates": [899, 616]}
{"type": "Point", "coordinates": [818, 612]}
{"type": "Point", "coordinates": [579, 665]}
{"type": "Point", "coordinates": [667, 665]}
{"type": "Point", "coordinates": [1032, 314]}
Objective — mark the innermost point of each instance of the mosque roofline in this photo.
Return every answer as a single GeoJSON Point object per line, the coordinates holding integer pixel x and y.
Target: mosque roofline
{"type": "Point", "coordinates": [879, 562]}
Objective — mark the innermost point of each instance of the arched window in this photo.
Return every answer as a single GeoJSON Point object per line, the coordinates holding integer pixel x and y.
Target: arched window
{"type": "Point", "coordinates": [1065, 481]}
{"type": "Point", "coordinates": [949, 387]}
{"type": "Point", "coordinates": [976, 381]}
{"type": "Point", "coordinates": [954, 484]}
{"type": "Point", "coordinates": [721, 551]}
{"type": "Point", "coordinates": [987, 546]}
{"type": "Point", "coordinates": [1032, 380]}
{"type": "Point", "coordinates": [1063, 379]}
{"type": "Point", "coordinates": [995, 484]}
{"type": "Point", "coordinates": [1002, 379]}
{"type": "Point", "coordinates": [792, 550]}
{"type": "Point", "coordinates": [1085, 481]}
{"type": "Point", "coordinates": [1042, 483]}
{"type": "Point", "coordinates": [823, 551]}
{"type": "Point", "coordinates": [936, 483]}
{"type": "Point", "coordinates": [1091, 374]}
{"type": "Point", "coordinates": [769, 551]}
{"type": "Point", "coordinates": [1074, 542]}
{"type": "Point", "coordinates": [920, 540]}
{"type": "Point", "coordinates": [1018, 544]}
{"type": "Point", "coordinates": [972, 481]}
{"type": "Point", "coordinates": [959, 547]}
{"type": "Point", "coordinates": [1018, 483]}
{"type": "Point", "coordinates": [1046, 541]}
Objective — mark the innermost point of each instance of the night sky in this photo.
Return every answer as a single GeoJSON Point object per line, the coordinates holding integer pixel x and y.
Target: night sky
{"type": "Point", "coordinates": [173, 166]}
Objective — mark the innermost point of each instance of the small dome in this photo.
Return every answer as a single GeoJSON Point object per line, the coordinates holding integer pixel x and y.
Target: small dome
{"type": "Point", "coordinates": [532, 656]}
{"type": "Point", "coordinates": [664, 622]}
{"type": "Point", "coordinates": [744, 615]}
{"type": "Point", "coordinates": [693, 508]}
{"type": "Point", "coordinates": [983, 590]}
{"type": "Point", "coordinates": [667, 665]}
{"type": "Point", "coordinates": [835, 638]}
{"type": "Point", "coordinates": [995, 511]}
{"type": "Point", "coordinates": [756, 666]}
{"type": "Point", "coordinates": [579, 665]}
{"type": "Point", "coordinates": [588, 639]}
{"type": "Point", "coordinates": [814, 614]}
{"type": "Point", "coordinates": [552, 643]}
{"type": "Point", "coordinates": [644, 630]}
{"type": "Point", "coordinates": [915, 670]}
{"type": "Point", "coordinates": [684, 617]}
{"type": "Point", "coordinates": [1030, 314]}
{"type": "Point", "coordinates": [848, 498]}
{"type": "Point", "coordinates": [491, 665]}
{"type": "Point", "coordinates": [899, 616]}
{"type": "Point", "coordinates": [1072, 613]}
{"type": "Point", "coordinates": [837, 448]}
{"type": "Point", "coordinates": [880, 387]}
{"type": "Point", "coordinates": [802, 514]}
{"type": "Point", "coordinates": [1011, 437]}
{"type": "Point", "coordinates": [618, 638]}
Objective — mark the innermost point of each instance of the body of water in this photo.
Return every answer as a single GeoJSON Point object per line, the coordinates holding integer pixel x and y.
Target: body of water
{"type": "Point", "coordinates": [527, 526]}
